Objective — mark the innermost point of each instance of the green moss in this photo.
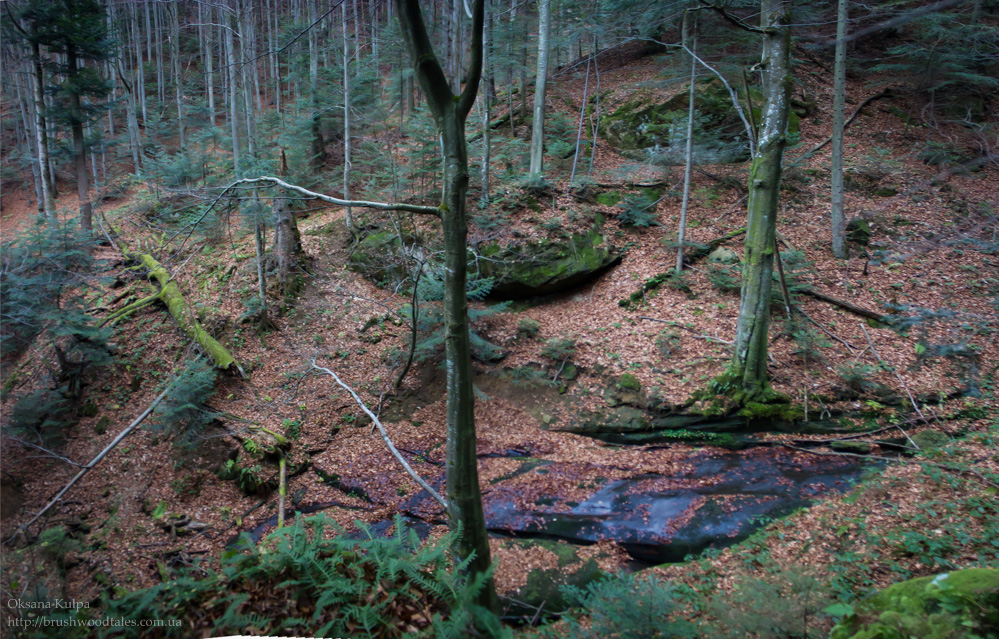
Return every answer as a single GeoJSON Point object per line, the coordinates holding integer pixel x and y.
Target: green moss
{"type": "Point", "coordinates": [102, 424]}
{"type": "Point", "coordinates": [957, 605]}
{"type": "Point", "coordinates": [860, 448]}
{"type": "Point", "coordinates": [930, 439]}
{"type": "Point", "coordinates": [546, 267]}
{"type": "Point", "coordinates": [778, 411]}
{"type": "Point", "coordinates": [630, 382]}
{"type": "Point", "coordinates": [610, 198]}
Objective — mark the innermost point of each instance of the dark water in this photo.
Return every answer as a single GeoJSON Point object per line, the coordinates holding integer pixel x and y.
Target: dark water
{"type": "Point", "coordinates": [720, 500]}
{"type": "Point", "coordinates": [723, 499]}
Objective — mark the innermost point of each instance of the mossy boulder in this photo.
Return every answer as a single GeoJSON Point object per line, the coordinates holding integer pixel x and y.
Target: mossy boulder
{"type": "Point", "coordinates": [380, 256]}
{"type": "Point", "coordinates": [963, 604]}
{"type": "Point", "coordinates": [545, 267]}
{"type": "Point", "coordinates": [653, 131]}
{"type": "Point", "coordinates": [858, 231]}
{"type": "Point", "coordinates": [619, 419]}
{"type": "Point", "coordinates": [930, 439]}
{"type": "Point", "coordinates": [724, 255]}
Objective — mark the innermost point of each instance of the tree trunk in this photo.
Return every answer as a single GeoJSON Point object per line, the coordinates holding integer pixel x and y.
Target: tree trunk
{"type": "Point", "coordinates": [487, 75]}
{"type": "Point", "coordinates": [287, 245]}
{"type": "Point", "coordinates": [839, 105]}
{"type": "Point", "coordinates": [450, 112]}
{"type": "Point", "coordinates": [230, 54]}
{"type": "Point", "coordinates": [181, 311]}
{"type": "Point", "coordinates": [690, 36]}
{"type": "Point", "coordinates": [175, 66]}
{"type": "Point", "coordinates": [582, 117]}
{"type": "Point", "coordinates": [41, 135]}
{"type": "Point", "coordinates": [748, 369]}
{"type": "Point", "coordinates": [140, 66]}
{"type": "Point", "coordinates": [540, 83]}
{"type": "Point", "coordinates": [318, 144]}
{"type": "Point", "coordinates": [79, 146]}
{"type": "Point", "coordinates": [346, 119]}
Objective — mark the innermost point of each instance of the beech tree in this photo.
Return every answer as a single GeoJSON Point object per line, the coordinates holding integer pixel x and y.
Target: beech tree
{"type": "Point", "coordinates": [838, 219]}
{"type": "Point", "coordinates": [747, 372]}
{"type": "Point", "coordinates": [540, 84]}
{"type": "Point", "coordinates": [450, 112]}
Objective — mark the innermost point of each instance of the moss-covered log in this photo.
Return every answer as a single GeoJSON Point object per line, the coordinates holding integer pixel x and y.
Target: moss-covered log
{"type": "Point", "coordinates": [174, 300]}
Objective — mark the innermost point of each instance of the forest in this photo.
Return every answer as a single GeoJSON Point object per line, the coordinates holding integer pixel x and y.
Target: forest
{"type": "Point", "coordinates": [476, 318]}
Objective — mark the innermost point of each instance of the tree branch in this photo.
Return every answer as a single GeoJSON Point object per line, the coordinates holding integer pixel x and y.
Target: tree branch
{"type": "Point", "coordinates": [381, 206]}
{"type": "Point", "coordinates": [138, 420]}
{"type": "Point", "coordinates": [388, 442]}
{"type": "Point", "coordinates": [475, 68]}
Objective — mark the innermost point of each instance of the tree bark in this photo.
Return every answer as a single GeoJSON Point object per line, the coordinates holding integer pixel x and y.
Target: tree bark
{"type": "Point", "coordinates": [749, 363]}
{"type": "Point", "coordinates": [540, 84]}
{"type": "Point", "coordinates": [691, 35]}
{"type": "Point", "coordinates": [838, 217]}
{"type": "Point", "coordinates": [346, 119]}
{"type": "Point", "coordinates": [41, 135]}
{"type": "Point", "coordinates": [450, 113]}
{"type": "Point", "coordinates": [79, 146]}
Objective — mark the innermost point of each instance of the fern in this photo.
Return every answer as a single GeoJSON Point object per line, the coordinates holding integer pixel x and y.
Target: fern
{"type": "Point", "coordinates": [353, 588]}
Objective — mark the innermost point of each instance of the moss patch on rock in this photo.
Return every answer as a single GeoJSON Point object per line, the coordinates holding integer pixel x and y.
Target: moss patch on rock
{"type": "Point", "coordinates": [657, 131]}
{"type": "Point", "coordinates": [958, 605]}
{"type": "Point", "coordinates": [546, 267]}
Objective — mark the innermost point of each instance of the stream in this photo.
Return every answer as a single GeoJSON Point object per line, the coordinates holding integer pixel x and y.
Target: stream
{"type": "Point", "coordinates": [722, 497]}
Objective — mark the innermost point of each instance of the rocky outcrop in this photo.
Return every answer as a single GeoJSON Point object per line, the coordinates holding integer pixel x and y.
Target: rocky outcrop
{"type": "Point", "coordinates": [547, 266]}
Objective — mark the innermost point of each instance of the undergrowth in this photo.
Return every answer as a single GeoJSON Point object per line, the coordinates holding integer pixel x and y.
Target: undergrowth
{"type": "Point", "coordinates": [301, 581]}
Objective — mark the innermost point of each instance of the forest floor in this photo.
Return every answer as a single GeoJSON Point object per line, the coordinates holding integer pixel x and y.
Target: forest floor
{"type": "Point", "coordinates": [924, 232]}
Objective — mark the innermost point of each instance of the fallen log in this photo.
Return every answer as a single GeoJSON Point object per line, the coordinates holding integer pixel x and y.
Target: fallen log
{"type": "Point", "coordinates": [174, 300]}
{"type": "Point", "coordinates": [847, 306]}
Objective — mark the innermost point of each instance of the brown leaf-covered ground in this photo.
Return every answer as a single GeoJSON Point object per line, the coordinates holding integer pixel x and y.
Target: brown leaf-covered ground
{"type": "Point", "coordinates": [922, 226]}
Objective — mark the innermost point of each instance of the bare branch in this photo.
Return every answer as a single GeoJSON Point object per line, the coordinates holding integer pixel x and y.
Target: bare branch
{"type": "Point", "coordinates": [138, 420]}
{"type": "Point", "coordinates": [381, 206]}
{"type": "Point", "coordinates": [388, 442]}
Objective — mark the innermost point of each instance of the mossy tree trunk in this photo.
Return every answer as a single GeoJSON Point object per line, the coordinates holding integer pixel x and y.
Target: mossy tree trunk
{"type": "Point", "coordinates": [450, 113]}
{"type": "Point", "coordinates": [748, 369]}
{"type": "Point", "coordinates": [181, 311]}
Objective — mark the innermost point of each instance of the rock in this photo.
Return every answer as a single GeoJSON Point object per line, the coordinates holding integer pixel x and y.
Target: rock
{"type": "Point", "coordinates": [957, 605]}
{"type": "Point", "coordinates": [657, 131]}
{"type": "Point", "coordinates": [886, 191]}
{"type": "Point", "coordinates": [930, 439]}
{"type": "Point", "coordinates": [724, 255]}
{"type": "Point", "coordinates": [858, 231]}
{"type": "Point", "coordinates": [11, 497]}
{"type": "Point", "coordinates": [860, 448]}
{"type": "Point", "coordinates": [620, 419]}
{"type": "Point", "coordinates": [546, 267]}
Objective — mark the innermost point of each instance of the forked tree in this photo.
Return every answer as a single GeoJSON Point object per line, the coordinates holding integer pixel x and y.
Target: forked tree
{"type": "Point", "coordinates": [450, 112]}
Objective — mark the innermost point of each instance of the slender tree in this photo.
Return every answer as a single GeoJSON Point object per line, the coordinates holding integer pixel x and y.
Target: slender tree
{"type": "Point", "coordinates": [689, 35]}
{"type": "Point", "coordinates": [748, 369]}
{"type": "Point", "coordinates": [540, 84]}
{"type": "Point", "coordinates": [839, 103]}
{"type": "Point", "coordinates": [450, 112]}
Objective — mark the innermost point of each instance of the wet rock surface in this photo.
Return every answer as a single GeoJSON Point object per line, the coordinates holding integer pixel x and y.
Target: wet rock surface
{"type": "Point", "coordinates": [718, 500]}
